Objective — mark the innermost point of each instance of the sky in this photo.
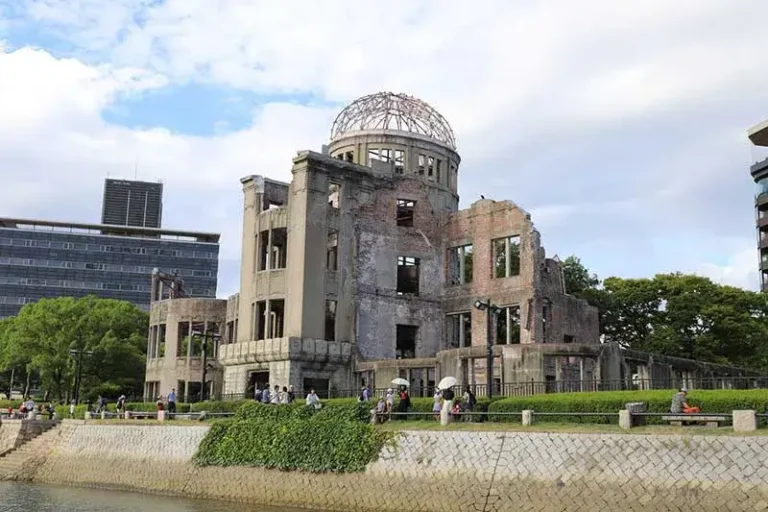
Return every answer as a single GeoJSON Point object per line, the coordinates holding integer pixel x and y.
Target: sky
{"type": "Point", "coordinates": [620, 126]}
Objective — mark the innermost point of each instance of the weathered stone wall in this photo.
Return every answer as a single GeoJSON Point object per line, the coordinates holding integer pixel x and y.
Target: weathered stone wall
{"type": "Point", "coordinates": [14, 433]}
{"type": "Point", "coordinates": [441, 471]}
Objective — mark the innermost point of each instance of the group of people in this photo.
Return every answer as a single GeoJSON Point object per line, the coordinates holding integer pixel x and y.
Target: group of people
{"type": "Point", "coordinates": [445, 399]}
{"type": "Point", "coordinates": [275, 395]}
{"type": "Point", "coordinates": [28, 409]}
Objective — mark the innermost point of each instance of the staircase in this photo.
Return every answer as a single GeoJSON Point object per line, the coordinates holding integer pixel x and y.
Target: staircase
{"type": "Point", "coordinates": [23, 462]}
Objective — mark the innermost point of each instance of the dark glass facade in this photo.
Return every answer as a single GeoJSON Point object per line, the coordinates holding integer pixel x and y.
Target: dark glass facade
{"type": "Point", "coordinates": [132, 203]}
{"type": "Point", "coordinates": [39, 261]}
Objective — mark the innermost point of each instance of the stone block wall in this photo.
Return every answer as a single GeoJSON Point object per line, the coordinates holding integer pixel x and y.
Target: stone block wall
{"type": "Point", "coordinates": [441, 471]}
{"type": "Point", "coordinates": [14, 433]}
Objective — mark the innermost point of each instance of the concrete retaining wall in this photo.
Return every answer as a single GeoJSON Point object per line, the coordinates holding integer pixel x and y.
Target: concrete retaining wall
{"type": "Point", "coordinates": [441, 471]}
{"type": "Point", "coordinates": [14, 433]}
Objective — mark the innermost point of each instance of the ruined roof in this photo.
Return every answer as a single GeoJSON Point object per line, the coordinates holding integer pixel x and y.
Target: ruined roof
{"type": "Point", "coordinates": [390, 111]}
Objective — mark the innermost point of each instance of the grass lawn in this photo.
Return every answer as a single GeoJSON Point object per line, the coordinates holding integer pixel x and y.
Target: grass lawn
{"type": "Point", "coordinates": [575, 428]}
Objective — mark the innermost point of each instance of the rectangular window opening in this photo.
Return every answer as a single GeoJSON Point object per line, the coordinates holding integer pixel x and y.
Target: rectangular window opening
{"type": "Point", "coordinates": [373, 154]}
{"type": "Point", "coordinates": [431, 166]}
{"type": "Point", "coordinates": [506, 257]}
{"type": "Point", "coordinates": [197, 340]}
{"type": "Point", "coordinates": [407, 275]}
{"type": "Point", "coordinates": [263, 248]}
{"type": "Point", "coordinates": [330, 320]}
{"type": "Point", "coordinates": [182, 339]}
{"type": "Point", "coordinates": [334, 191]}
{"type": "Point", "coordinates": [332, 251]}
{"type": "Point", "coordinates": [350, 156]}
{"type": "Point", "coordinates": [567, 338]}
{"type": "Point", "coordinates": [279, 254]}
{"type": "Point", "coordinates": [422, 164]}
{"type": "Point", "coordinates": [459, 329]}
{"type": "Point", "coordinates": [260, 318]}
{"type": "Point", "coordinates": [405, 209]}
{"type": "Point", "coordinates": [508, 326]}
{"type": "Point", "coordinates": [460, 265]}
{"type": "Point", "coordinates": [438, 169]}
{"type": "Point", "coordinates": [399, 161]}
{"type": "Point", "coordinates": [321, 387]}
{"type": "Point", "coordinates": [405, 347]}
{"type": "Point", "coordinates": [276, 318]}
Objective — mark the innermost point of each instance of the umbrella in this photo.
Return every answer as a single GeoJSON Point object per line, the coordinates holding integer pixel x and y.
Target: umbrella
{"type": "Point", "coordinates": [447, 382]}
{"type": "Point", "coordinates": [400, 382]}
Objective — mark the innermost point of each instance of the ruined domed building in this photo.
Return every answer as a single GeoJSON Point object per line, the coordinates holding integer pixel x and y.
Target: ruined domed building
{"type": "Point", "coordinates": [363, 269]}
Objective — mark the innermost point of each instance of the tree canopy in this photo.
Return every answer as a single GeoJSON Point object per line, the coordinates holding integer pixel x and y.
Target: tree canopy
{"type": "Point", "coordinates": [678, 315]}
{"type": "Point", "coordinates": [111, 334]}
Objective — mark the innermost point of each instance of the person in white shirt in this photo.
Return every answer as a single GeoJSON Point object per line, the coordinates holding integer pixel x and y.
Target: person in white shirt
{"type": "Point", "coordinates": [274, 398]}
{"type": "Point", "coordinates": [313, 400]}
{"type": "Point", "coordinates": [285, 398]}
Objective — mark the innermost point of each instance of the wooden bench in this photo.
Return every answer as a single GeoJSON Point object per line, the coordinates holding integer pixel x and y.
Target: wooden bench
{"type": "Point", "coordinates": [677, 420]}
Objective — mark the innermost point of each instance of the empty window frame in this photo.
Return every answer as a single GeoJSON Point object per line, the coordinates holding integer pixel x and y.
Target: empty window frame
{"type": "Point", "coordinates": [438, 169]}
{"type": "Point", "coordinates": [182, 339]}
{"type": "Point", "coordinates": [567, 338]}
{"type": "Point", "coordinates": [330, 320]}
{"type": "Point", "coordinates": [334, 192]}
{"type": "Point", "coordinates": [349, 156]}
{"type": "Point", "coordinates": [422, 164]}
{"type": "Point", "coordinates": [508, 326]}
{"type": "Point", "coordinates": [459, 329]}
{"type": "Point", "coordinates": [276, 318]}
{"type": "Point", "coordinates": [407, 275]}
{"type": "Point", "coordinates": [405, 341]}
{"type": "Point", "coordinates": [259, 320]}
{"type": "Point", "coordinates": [399, 161]}
{"type": "Point", "coordinates": [279, 243]}
{"type": "Point", "coordinates": [460, 265]}
{"type": "Point", "coordinates": [431, 167]}
{"type": "Point", "coordinates": [405, 208]}
{"type": "Point", "coordinates": [263, 248]}
{"type": "Point", "coordinates": [506, 257]}
{"type": "Point", "coordinates": [373, 154]}
{"type": "Point", "coordinates": [332, 251]}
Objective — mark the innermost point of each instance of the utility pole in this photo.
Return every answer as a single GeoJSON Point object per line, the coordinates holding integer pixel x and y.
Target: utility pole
{"type": "Point", "coordinates": [491, 311]}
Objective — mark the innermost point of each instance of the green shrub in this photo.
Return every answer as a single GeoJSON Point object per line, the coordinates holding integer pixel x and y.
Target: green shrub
{"type": "Point", "coordinates": [147, 407]}
{"type": "Point", "coordinates": [658, 401]}
{"type": "Point", "coordinates": [218, 406]}
{"type": "Point", "coordinates": [337, 438]}
{"type": "Point", "coordinates": [4, 404]}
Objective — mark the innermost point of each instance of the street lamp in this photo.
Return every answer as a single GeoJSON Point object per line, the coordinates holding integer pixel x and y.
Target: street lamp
{"type": "Point", "coordinates": [77, 354]}
{"type": "Point", "coordinates": [490, 310]}
{"type": "Point", "coordinates": [207, 335]}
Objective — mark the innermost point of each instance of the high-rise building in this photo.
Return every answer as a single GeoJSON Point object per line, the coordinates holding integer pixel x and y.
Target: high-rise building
{"type": "Point", "coordinates": [759, 170]}
{"type": "Point", "coordinates": [132, 203]}
{"type": "Point", "coordinates": [52, 259]}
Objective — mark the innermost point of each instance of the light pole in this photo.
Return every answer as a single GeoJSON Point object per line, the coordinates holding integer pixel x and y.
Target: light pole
{"type": "Point", "coordinates": [207, 335]}
{"type": "Point", "coordinates": [491, 311]}
{"type": "Point", "coordinates": [78, 355]}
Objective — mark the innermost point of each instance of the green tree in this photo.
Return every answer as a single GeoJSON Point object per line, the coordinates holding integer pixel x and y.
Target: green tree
{"type": "Point", "coordinates": [577, 277]}
{"type": "Point", "coordinates": [111, 334]}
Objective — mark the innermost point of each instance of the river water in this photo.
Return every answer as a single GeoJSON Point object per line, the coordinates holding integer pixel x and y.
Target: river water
{"type": "Point", "coordinates": [16, 497]}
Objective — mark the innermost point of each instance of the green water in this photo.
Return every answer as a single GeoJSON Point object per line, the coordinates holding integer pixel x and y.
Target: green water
{"type": "Point", "coordinates": [16, 497]}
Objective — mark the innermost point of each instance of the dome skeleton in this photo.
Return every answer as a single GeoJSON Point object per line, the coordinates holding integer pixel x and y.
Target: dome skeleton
{"type": "Point", "coordinates": [396, 112]}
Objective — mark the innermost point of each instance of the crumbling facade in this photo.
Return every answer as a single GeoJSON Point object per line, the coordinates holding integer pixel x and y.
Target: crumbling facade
{"type": "Point", "coordinates": [363, 269]}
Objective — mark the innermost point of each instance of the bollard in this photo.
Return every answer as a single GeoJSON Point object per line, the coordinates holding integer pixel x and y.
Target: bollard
{"type": "Point", "coordinates": [744, 421]}
{"type": "Point", "coordinates": [87, 415]}
{"type": "Point", "coordinates": [636, 407]}
{"type": "Point", "coordinates": [127, 415]}
{"type": "Point", "coordinates": [527, 418]}
{"type": "Point", "coordinates": [625, 419]}
{"type": "Point", "coordinates": [160, 415]}
{"type": "Point", "coordinates": [103, 415]}
{"type": "Point", "coordinates": [445, 412]}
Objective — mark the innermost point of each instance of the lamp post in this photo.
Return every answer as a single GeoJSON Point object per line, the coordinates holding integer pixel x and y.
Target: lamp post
{"type": "Point", "coordinates": [207, 335]}
{"type": "Point", "coordinates": [78, 355]}
{"type": "Point", "coordinates": [490, 310]}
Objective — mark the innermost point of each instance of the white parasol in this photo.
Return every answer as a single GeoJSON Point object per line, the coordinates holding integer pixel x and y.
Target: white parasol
{"type": "Point", "coordinates": [447, 382]}
{"type": "Point", "coordinates": [400, 382]}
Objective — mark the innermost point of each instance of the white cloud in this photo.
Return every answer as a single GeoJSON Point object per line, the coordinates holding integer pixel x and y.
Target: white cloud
{"type": "Point", "coordinates": [740, 269]}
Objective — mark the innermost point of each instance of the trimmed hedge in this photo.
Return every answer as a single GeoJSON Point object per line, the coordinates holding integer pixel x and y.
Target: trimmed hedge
{"type": "Point", "coordinates": [337, 438]}
{"type": "Point", "coordinates": [218, 406]}
{"type": "Point", "coordinates": [714, 401]}
{"type": "Point", "coordinates": [4, 404]}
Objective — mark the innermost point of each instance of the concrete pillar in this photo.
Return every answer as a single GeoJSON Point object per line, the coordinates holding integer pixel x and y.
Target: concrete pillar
{"type": "Point", "coordinates": [127, 415]}
{"type": "Point", "coordinates": [581, 374]}
{"type": "Point", "coordinates": [527, 418]}
{"type": "Point", "coordinates": [558, 374]}
{"type": "Point", "coordinates": [103, 415]}
{"type": "Point", "coordinates": [445, 412]}
{"type": "Point", "coordinates": [744, 421]}
{"type": "Point", "coordinates": [161, 415]}
{"type": "Point", "coordinates": [88, 415]}
{"type": "Point", "coordinates": [625, 419]}
{"type": "Point", "coordinates": [189, 343]}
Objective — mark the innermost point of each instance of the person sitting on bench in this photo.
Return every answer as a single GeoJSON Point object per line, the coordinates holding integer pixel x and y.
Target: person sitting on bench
{"type": "Point", "coordinates": [680, 404]}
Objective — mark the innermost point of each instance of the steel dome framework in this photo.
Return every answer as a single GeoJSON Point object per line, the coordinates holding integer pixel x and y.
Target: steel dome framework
{"type": "Point", "coordinates": [395, 112]}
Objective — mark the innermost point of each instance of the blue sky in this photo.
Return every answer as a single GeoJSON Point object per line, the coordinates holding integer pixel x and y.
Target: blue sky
{"type": "Point", "coordinates": [621, 128]}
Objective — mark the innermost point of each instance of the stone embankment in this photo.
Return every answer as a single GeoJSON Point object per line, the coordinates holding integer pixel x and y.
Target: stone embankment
{"type": "Point", "coordinates": [440, 471]}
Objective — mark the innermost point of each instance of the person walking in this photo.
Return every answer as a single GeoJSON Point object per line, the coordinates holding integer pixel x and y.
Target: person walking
{"type": "Point", "coordinates": [171, 402]}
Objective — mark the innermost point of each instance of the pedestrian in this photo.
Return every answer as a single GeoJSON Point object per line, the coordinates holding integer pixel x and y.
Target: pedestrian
{"type": "Point", "coordinates": [72, 409]}
{"type": "Point", "coordinates": [284, 397]}
{"type": "Point", "coordinates": [274, 398]}
{"type": "Point", "coordinates": [171, 402]}
{"type": "Point", "coordinates": [437, 399]}
{"type": "Point", "coordinates": [313, 400]}
{"type": "Point", "coordinates": [265, 394]}
{"type": "Point", "coordinates": [291, 395]}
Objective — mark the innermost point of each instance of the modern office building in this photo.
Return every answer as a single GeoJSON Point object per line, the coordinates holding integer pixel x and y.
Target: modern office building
{"type": "Point", "coordinates": [759, 170]}
{"type": "Point", "coordinates": [52, 259]}
{"type": "Point", "coordinates": [132, 203]}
